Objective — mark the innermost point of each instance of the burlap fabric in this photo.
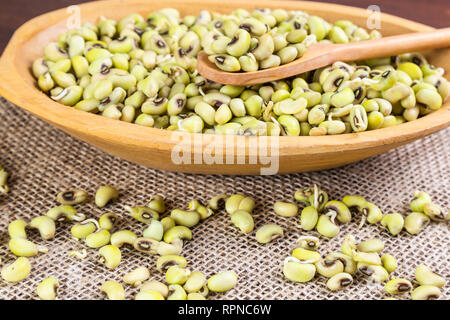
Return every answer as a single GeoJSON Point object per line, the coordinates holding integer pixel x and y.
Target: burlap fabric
{"type": "Point", "coordinates": [43, 161]}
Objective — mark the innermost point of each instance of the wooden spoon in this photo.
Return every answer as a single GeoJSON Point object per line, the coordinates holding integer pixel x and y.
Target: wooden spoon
{"type": "Point", "coordinates": [323, 54]}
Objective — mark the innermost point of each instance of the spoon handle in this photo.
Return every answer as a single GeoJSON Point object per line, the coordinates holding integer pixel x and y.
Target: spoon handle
{"type": "Point", "coordinates": [393, 45]}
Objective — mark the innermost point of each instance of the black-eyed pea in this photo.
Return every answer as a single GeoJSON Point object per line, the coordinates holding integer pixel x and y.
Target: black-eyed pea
{"type": "Point", "coordinates": [195, 282]}
{"type": "Point", "coordinates": [419, 201]}
{"type": "Point", "coordinates": [137, 276]}
{"type": "Point", "coordinates": [204, 212]}
{"type": "Point", "coordinates": [157, 286]}
{"type": "Point", "coordinates": [45, 225]}
{"type": "Point", "coordinates": [17, 270]}
{"type": "Point", "coordinates": [149, 295]}
{"type": "Point", "coordinates": [145, 245]}
{"type": "Point", "coordinates": [354, 203]}
{"type": "Point", "coordinates": [243, 221]}
{"type": "Point", "coordinates": [389, 262]}
{"type": "Point", "coordinates": [174, 248]}
{"type": "Point", "coordinates": [306, 256]}
{"type": "Point", "coordinates": [342, 212]}
{"type": "Point", "coordinates": [177, 233]}
{"type": "Point", "coordinates": [347, 261]}
{"type": "Point", "coordinates": [348, 245]}
{"type": "Point", "coordinates": [268, 233]}
{"type": "Point", "coordinates": [185, 218]}
{"type": "Point", "coordinates": [119, 238]}
{"type": "Point", "coordinates": [195, 296]}
{"type": "Point", "coordinates": [376, 273]}
{"type": "Point", "coordinates": [372, 213]}
{"type": "Point", "coordinates": [318, 198]}
{"type": "Point", "coordinates": [177, 275]}
{"type": "Point", "coordinates": [326, 226]}
{"type": "Point", "coordinates": [239, 202]}
{"type": "Point", "coordinates": [329, 268]}
{"type": "Point", "coordinates": [47, 289]}
{"type": "Point", "coordinates": [371, 245]}
{"type": "Point", "coordinates": [157, 203]}
{"type": "Point", "coordinates": [365, 257]}
{"type": "Point", "coordinates": [167, 223]}
{"type": "Point", "coordinates": [71, 197]}
{"type": "Point", "coordinates": [425, 292]}
{"type": "Point", "coordinates": [65, 213]}
{"type": "Point", "coordinates": [24, 248]}
{"type": "Point", "coordinates": [107, 221]}
{"type": "Point", "coordinates": [113, 290]}
{"type": "Point", "coordinates": [308, 242]}
{"type": "Point", "coordinates": [285, 209]}
{"type": "Point", "coordinates": [393, 222]}
{"type": "Point", "coordinates": [3, 180]}
{"type": "Point", "coordinates": [176, 292]}
{"type": "Point", "coordinates": [110, 256]}
{"type": "Point", "coordinates": [309, 218]}
{"type": "Point", "coordinates": [296, 271]}
{"type": "Point", "coordinates": [398, 286]}
{"type": "Point", "coordinates": [142, 214]}
{"type": "Point", "coordinates": [415, 222]}
{"type": "Point", "coordinates": [435, 211]}
{"type": "Point", "coordinates": [104, 195]}
{"type": "Point", "coordinates": [154, 231]}
{"type": "Point", "coordinates": [166, 261]}
{"type": "Point", "coordinates": [17, 229]}
{"type": "Point", "coordinates": [302, 195]}
{"type": "Point", "coordinates": [222, 281]}
{"type": "Point", "coordinates": [425, 276]}
{"type": "Point", "coordinates": [339, 281]}
{"type": "Point", "coordinates": [217, 202]}
{"type": "Point", "coordinates": [98, 239]}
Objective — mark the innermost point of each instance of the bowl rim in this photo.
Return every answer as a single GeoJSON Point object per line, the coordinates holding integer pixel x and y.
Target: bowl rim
{"type": "Point", "coordinates": [15, 88]}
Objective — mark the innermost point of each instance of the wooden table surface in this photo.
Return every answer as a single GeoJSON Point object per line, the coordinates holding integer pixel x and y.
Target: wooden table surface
{"type": "Point", "coordinates": [432, 12]}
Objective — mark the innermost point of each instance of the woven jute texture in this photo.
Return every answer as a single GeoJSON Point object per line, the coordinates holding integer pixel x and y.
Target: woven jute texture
{"type": "Point", "coordinates": [43, 161]}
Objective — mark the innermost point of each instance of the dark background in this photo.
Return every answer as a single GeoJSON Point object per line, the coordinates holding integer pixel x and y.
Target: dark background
{"type": "Point", "coordinates": [436, 13]}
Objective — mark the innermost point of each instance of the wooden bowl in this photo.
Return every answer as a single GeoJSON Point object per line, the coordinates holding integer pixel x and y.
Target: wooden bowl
{"type": "Point", "coordinates": [154, 147]}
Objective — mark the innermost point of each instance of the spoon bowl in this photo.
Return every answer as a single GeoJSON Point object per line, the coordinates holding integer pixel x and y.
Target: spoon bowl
{"type": "Point", "coordinates": [158, 148]}
{"type": "Point", "coordinates": [321, 55]}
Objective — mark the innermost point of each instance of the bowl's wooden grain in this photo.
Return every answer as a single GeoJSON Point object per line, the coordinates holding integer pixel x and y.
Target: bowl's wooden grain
{"type": "Point", "coordinates": [153, 147]}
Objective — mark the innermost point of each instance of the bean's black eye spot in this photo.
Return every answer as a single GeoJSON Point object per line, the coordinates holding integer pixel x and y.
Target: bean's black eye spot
{"type": "Point", "coordinates": [358, 93]}
{"type": "Point", "coordinates": [417, 61]}
{"type": "Point", "coordinates": [246, 27]}
{"type": "Point", "coordinates": [297, 25]}
{"type": "Point", "coordinates": [68, 195]}
{"type": "Point", "coordinates": [338, 81]}
{"type": "Point", "coordinates": [220, 59]}
{"type": "Point", "coordinates": [386, 73]}
{"type": "Point", "coordinates": [160, 44]}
